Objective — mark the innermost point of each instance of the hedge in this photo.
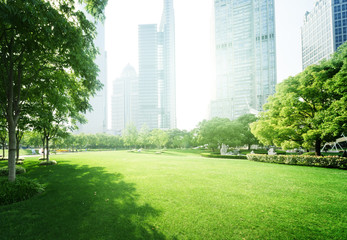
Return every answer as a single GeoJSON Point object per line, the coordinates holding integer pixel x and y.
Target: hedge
{"type": "Point", "coordinates": [326, 161]}
{"type": "Point", "coordinates": [213, 155]}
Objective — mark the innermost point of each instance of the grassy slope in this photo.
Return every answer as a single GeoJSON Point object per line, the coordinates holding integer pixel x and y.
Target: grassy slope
{"type": "Point", "coordinates": [121, 195]}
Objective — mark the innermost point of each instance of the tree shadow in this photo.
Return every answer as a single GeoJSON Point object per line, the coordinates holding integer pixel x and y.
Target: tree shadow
{"type": "Point", "coordinates": [80, 202]}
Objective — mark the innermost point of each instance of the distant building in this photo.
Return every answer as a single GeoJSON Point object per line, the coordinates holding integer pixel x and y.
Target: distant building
{"type": "Point", "coordinates": [157, 72]}
{"type": "Point", "coordinates": [125, 100]}
{"type": "Point", "coordinates": [245, 54]}
{"type": "Point", "coordinates": [167, 68]}
{"type": "Point", "coordinates": [97, 118]}
{"type": "Point", "coordinates": [323, 31]}
{"type": "Point", "coordinates": [148, 76]}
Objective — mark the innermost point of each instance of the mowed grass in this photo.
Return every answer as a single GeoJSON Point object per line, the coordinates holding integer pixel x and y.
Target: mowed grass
{"type": "Point", "coordinates": [177, 195]}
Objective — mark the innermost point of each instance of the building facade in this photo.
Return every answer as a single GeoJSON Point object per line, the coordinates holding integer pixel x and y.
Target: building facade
{"type": "Point", "coordinates": [167, 67]}
{"type": "Point", "coordinates": [148, 76]}
{"type": "Point", "coordinates": [157, 72]}
{"type": "Point", "coordinates": [125, 100]}
{"type": "Point", "coordinates": [323, 31]}
{"type": "Point", "coordinates": [245, 53]}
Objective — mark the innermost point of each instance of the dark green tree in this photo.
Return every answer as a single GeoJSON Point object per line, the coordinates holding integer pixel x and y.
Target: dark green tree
{"type": "Point", "coordinates": [35, 36]}
{"type": "Point", "coordinates": [309, 108]}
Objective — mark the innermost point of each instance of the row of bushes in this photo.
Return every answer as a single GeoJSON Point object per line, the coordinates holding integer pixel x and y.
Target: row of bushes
{"type": "Point", "coordinates": [326, 161]}
{"type": "Point", "coordinates": [214, 155]}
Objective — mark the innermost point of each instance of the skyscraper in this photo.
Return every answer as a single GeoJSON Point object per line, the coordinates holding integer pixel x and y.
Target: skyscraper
{"type": "Point", "coordinates": [323, 31]}
{"type": "Point", "coordinates": [148, 76]}
{"type": "Point", "coordinates": [157, 72]}
{"type": "Point", "coordinates": [167, 67]}
{"type": "Point", "coordinates": [245, 52]}
{"type": "Point", "coordinates": [125, 100]}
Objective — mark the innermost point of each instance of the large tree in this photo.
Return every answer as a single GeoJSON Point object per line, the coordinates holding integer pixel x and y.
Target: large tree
{"type": "Point", "coordinates": [218, 131]}
{"type": "Point", "coordinates": [36, 36]}
{"type": "Point", "coordinates": [309, 108]}
{"type": "Point", "coordinates": [247, 138]}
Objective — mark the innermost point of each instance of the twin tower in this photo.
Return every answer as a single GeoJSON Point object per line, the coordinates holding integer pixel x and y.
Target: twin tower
{"type": "Point", "coordinates": [150, 98]}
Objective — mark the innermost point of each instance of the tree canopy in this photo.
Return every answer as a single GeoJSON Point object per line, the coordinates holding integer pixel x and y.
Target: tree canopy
{"type": "Point", "coordinates": [39, 39]}
{"type": "Point", "coordinates": [309, 108]}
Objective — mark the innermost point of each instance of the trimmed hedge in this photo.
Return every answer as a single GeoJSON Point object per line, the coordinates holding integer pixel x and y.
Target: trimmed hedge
{"type": "Point", "coordinates": [327, 161]}
{"type": "Point", "coordinates": [213, 155]}
{"type": "Point", "coordinates": [21, 189]}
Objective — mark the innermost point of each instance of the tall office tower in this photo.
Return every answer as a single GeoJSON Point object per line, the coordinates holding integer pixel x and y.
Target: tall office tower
{"type": "Point", "coordinates": [245, 52]}
{"type": "Point", "coordinates": [167, 67]}
{"type": "Point", "coordinates": [125, 100]}
{"type": "Point", "coordinates": [324, 30]}
{"type": "Point", "coordinates": [148, 76]}
{"type": "Point", "coordinates": [97, 118]}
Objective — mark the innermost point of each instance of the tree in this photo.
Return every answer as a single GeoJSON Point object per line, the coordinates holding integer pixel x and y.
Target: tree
{"type": "Point", "coordinates": [37, 35]}
{"type": "Point", "coordinates": [247, 138]}
{"type": "Point", "coordinates": [143, 137]}
{"type": "Point", "coordinates": [130, 135]}
{"type": "Point", "coordinates": [309, 108]}
{"type": "Point", "coordinates": [159, 137]}
{"type": "Point", "coordinates": [217, 131]}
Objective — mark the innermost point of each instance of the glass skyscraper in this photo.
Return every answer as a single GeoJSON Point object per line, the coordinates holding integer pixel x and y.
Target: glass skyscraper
{"type": "Point", "coordinates": [125, 100]}
{"type": "Point", "coordinates": [245, 52]}
{"type": "Point", "coordinates": [323, 31]}
{"type": "Point", "coordinates": [148, 76]}
{"type": "Point", "coordinates": [157, 72]}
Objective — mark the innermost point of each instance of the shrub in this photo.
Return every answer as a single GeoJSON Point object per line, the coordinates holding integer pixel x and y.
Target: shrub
{"type": "Point", "coordinates": [214, 155]}
{"type": "Point", "coordinates": [19, 190]}
{"type": "Point", "coordinates": [50, 162]}
{"type": "Point", "coordinates": [4, 170]}
{"type": "Point", "coordinates": [329, 161]}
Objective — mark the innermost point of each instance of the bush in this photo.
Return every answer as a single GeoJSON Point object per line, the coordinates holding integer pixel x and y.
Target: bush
{"type": "Point", "coordinates": [214, 155]}
{"type": "Point", "coordinates": [329, 162]}
{"type": "Point", "coordinates": [19, 190]}
{"type": "Point", "coordinates": [50, 162]}
{"type": "Point", "coordinates": [4, 170]}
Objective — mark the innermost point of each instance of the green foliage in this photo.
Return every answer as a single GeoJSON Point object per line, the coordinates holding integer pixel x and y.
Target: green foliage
{"type": "Point", "coordinates": [158, 138]}
{"type": "Point", "coordinates": [130, 135]}
{"type": "Point", "coordinates": [309, 108]}
{"type": "Point", "coordinates": [317, 161]}
{"type": "Point", "coordinates": [19, 170]}
{"type": "Point", "coordinates": [213, 155]}
{"type": "Point", "coordinates": [19, 190]}
{"type": "Point", "coordinates": [217, 131]}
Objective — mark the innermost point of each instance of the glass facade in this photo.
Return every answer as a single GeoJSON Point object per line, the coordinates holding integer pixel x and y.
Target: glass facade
{"type": "Point", "coordinates": [167, 68]}
{"type": "Point", "coordinates": [125, 100]}
{"type": "Point", "coordinates": [148, 76]}
{"type": "Point", "coordinates": [323, 31]}
{"type": "Point", "coordinates": [245, 51]}
{"type": "Point", "coordinates": [157, 72]}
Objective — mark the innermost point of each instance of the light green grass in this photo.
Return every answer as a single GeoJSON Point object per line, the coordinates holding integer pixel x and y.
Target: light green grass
{"type": "Point", "coordinates": [177, 195]}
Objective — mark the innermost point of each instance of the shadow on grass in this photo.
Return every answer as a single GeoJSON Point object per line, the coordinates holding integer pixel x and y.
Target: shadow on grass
{"type": "Point", "coordinates": [80, 202]}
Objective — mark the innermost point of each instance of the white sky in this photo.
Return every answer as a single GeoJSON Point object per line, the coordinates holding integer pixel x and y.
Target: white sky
{"type": "Point", "coordinates": [194, 65]}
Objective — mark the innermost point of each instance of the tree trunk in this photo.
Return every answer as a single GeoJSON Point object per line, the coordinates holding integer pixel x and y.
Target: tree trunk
{"type": "Point", "coordinates": [12, 152]}
{"type": "Point", "coordinates": [249, 146]}
{"type": "Point", "coordinates": [43, 148]}
{"type": "Point", "coordinates": [47, 148]}
{"type": "Point", "coordinates": [3, 150]}
{"type": "Point", "coordinates": [317, 147]}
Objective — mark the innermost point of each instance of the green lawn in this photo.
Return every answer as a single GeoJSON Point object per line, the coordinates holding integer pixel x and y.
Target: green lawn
{"type": "Point", "coordinates": [176, 195]}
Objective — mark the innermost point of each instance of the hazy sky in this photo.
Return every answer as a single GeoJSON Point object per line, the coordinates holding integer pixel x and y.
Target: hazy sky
{"type": "Point", "coordinates": [194, 66]}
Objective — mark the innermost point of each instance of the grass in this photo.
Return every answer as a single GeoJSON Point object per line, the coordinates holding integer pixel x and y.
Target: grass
{"type": "Point", "coordinates": [177, 195]}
